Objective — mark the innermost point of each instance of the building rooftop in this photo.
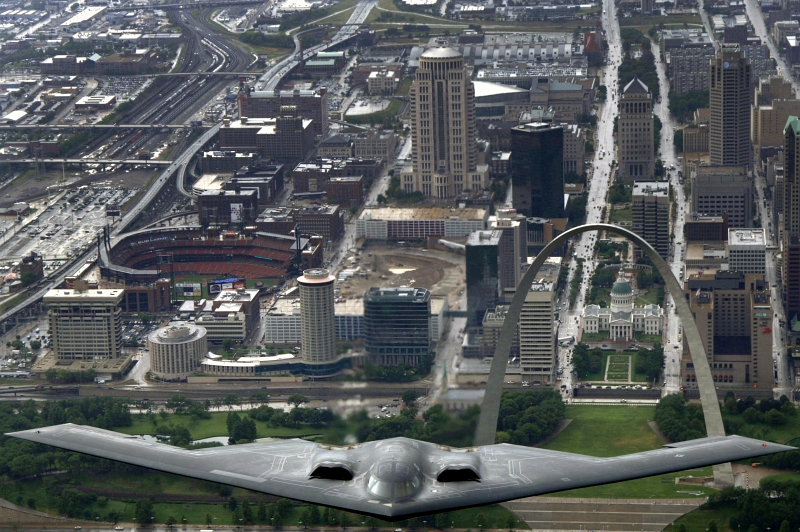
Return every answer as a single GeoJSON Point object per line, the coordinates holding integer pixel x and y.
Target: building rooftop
{"type": "Point", "coordinates": [84, 15]}
{"type": "Point", "coordinates": [484, 238]}
{"type": "Point", "coordinates": [402, 292]}
{"type": "Point", "coordinates": [635, 86]}
{"type": "Point", "coordinates": [231, 193]}
{"type": "Point", "coordinates": [422, 213]}
{"type": "Point", "coordinates": [105, 294]}
{"type": "Point", "coordinates": [237, 296]}
{"type": "Point", "coordinates": [176, 333]}
{"type": "Point", "coordinates": [650, 189]}
{"type": "Point", "coordinates": [286, 94]}
{"type": "Point", "coordinates": [746, 237]}
{"type": "Point", "coordinates": [488, 88]}
{"type": "Point", "coordinates": [441, 53]}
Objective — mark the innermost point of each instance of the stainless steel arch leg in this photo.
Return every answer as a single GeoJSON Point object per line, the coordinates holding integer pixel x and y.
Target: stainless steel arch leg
{"type": "Point", "coordinates": [490, 410]}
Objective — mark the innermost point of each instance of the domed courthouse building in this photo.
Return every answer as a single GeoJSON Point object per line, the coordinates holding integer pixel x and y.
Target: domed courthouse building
{"type": "Point", "coordinates": [622, 320]}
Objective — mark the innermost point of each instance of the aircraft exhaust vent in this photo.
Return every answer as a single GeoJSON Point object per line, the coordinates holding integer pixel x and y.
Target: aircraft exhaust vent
{"type": "Point", "coordinates": [332, 473]}
{"type": "Point", "coordinates": [458, 475]}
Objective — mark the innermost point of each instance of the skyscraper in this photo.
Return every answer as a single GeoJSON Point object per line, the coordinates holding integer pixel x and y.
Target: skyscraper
{"type": "Point", "coordinates": [397, 325]}
{"type": "Point", "coordinates": [317, 321]}
{"type": "Point", "coordinates": [444, 156]}
{"type": "Point", "coordinates": [537, 174]}
{"type": "Point", "coordinates": [650, 213]}
{"type": "Point", "coordinates": [482, 258]}
{"type": "Point", "coordinates": [733, 313]}
{"type": "Point", "coordinates": [636, 156]}
{"type": "Point", "coordinates": [791, 219]}
{"type": "Point", "coordinates": [513, 246]}
{"type": "Point", "coordinates": [729, 94]}
{"type": "Point", "coordinates": [537, 331]}
{"type": "Point", "coordinates": [85, 324]}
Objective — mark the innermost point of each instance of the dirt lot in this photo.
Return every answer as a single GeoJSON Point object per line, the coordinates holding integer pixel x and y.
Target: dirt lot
{"type": "Point", "coordinates": [31, 186]}
{"type": "Point", "coordinates": [391, 266]}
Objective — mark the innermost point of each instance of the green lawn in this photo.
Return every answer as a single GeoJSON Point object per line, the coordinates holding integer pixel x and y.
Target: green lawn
{"type": "Point", "coordinates": [601, 375]}
{"type": "Point", "coordinates": [699, 519]}
{"type": "Point", "coordinates": [624, 214]}
{"type": "Point", "coordinates": [404, 87]}
{"type": "Point", "coordinates": [616, 430]}
{"type": "Point", "coordinates": [637, 377]}
{"type": "Point", "coordinates": [207, 428]}
{"type": "Point", "coordinates": [372, 118]}
{"type": "Point", "coordinates": [648, 298]}
{"type": "Point", "coordinates": [649, 338]}
{"type": "Point", "coordinates": [618, 366]}
{"type": "Point", "coordinates": [779, 433]}
{"type": "Point", "coordinates": [594, 337]}
{"type": "Point", "coordinates": [649, 22]}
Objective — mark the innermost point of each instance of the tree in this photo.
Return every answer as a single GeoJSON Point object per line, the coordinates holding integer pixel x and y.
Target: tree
{"type": "Point", "coordinates": [227, 344]}
{"type": "Point", "coordinates": [36, 344]}
{"type": "Point", "coordinates": [712, 527]}
{"type": "Point", "coordinates": [410, 397]}
{"type": "Point", "coordinates": [28, 278]}
{"type": "Point", "coordinates": [297, 399]}
{"type": "Point", "coordinates": [247, 513]}
{"type": "Point", "coordinates": [170, 522]}
{"type": "Point", "coordinates": [480, 521]}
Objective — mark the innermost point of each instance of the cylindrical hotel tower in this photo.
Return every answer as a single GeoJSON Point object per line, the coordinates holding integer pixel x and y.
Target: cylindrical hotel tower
{"type": "Point", "coordinates": [317, 322]}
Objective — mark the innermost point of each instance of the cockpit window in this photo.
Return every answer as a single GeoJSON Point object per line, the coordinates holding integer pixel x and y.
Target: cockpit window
{"type": "Point", "coordinates": [393, 480]}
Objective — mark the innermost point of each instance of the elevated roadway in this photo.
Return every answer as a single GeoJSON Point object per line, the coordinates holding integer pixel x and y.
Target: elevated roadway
{"type": "Point", "coordinates": [272, 77]}
{"type": "Point", "coordinates": [150, 162]}
{"type": "Point", "coordinates": [194, 5]}
{"type": "Point", "coordinates": [101, 126]}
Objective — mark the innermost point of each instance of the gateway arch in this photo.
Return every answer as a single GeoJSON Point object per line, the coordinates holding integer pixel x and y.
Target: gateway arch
{"type": "Point", "coordinates": [487, 424]}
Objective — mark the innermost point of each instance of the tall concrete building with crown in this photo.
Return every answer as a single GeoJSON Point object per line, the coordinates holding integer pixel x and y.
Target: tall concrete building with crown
{"type": "Point", "coordinates": [444, 155]}
{"type": "Point", "coordinates": [622, 319]}
{"type": "Point", "coordinates": [635, 132]}
{"type": "Point", "coordinates": [729, 102]}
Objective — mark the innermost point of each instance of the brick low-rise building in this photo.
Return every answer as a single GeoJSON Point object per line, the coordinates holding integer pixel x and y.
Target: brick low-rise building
{"type": "Point", "coordinates": [346, 191]}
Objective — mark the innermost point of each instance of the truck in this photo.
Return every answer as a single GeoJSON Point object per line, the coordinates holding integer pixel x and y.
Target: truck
{"type": "Point", "coordinates": [144, 154]}
{"type": "Point", "coordinates": [566, 340]}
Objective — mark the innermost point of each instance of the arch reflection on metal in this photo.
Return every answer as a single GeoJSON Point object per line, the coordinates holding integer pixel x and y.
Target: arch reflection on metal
{"type": "Point", "coordinates": [487, 424]}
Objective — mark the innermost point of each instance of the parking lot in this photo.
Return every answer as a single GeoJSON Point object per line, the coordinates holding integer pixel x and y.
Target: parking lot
{"type": "Point", "coordinates": [65, 227]}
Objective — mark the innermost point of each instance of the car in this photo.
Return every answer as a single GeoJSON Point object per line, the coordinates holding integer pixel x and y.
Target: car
{"type": "Point", "coordinates": [118, 528]}
{"type": "Point", "coordinates": [77, 528]}
{"type": "Point", "coordinates": [623, 401]}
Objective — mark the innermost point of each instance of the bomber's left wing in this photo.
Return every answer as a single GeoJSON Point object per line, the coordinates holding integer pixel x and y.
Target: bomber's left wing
{"type": "Point", "coordinates": [512, 471]}
{"type": "Point", "coordinates": [428, 478]}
